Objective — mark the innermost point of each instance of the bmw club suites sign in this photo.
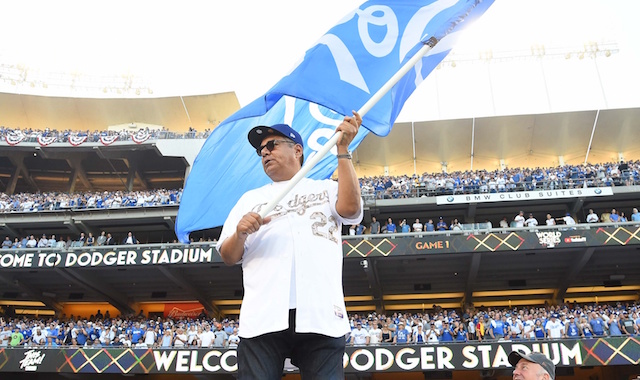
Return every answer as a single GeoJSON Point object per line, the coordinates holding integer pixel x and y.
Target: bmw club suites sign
{"type": "Point", "coordinates": [537, 195]}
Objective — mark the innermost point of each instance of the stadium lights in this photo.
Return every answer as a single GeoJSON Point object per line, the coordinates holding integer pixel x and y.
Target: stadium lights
{"type": "Point", "coordinates": [358, 298]}
{"type": "Point", "coordinates": [420, 306]}
{"type": "Point", "coordinates": [36, 312]}
{"type": "Point", "coordinates": [595, 289]}
{"type": "Point", "coordinates": [503, 293]}
{"type": "Point", "coordinates": [352, 309]}
{"type": "Point", "coordinates": [596, 299]}
{"type": "Point", "coordinates": [227, 302]}
{"type": "Point", "coordinates": [22, 303]}
{"type": "Point", "coordinates": [511, 303]}
{"type": "Point", "coordinates": [408, 297]}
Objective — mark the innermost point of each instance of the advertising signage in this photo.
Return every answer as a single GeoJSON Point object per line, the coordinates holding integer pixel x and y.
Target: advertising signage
{"type": "Point", "coordinates": [489, 241]}
{"type": "Point", "coordinates": [382, 245]}
{"type": "Point", "coordinates": [116, 256]}
{"type": "Point", "coordinates": [358, 359]}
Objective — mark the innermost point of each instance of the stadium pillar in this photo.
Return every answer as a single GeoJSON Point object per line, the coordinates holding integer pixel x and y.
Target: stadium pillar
{"type": "Point", "coordinates": [35, 293]}
{"type": "Point", "coordinates": [134, 172]}
{"type": "Point", "coordinates": [13, 181]}
{"type": "Point", "coordinates": [17, 160]}
{"type": "Point", "coordinates": [71, 186]}
{"type": "Point", "coordinates": [118, 300]}
{"type": "Point", "coordinates": [77, 172]}
{"type": "Point", "coordinates": [178, 278]}
{"type": "Point", "coordinates": [369, 267]}
{"type": "Point", "coordinates": [571, 273]}
{"type": "Point", "coordinates": [470, 215]}
{"type": "Point", "coordinates": [131, 176]}
{"type": "Point", "coordinates": [187, 170]}
{"type": "Point", "coordinates": [471, 280]}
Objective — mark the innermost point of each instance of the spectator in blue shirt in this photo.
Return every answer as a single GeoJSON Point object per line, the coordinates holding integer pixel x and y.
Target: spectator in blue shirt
{"type": "Point", "coordinates": [614, 217]}
{"type": "Point", "coordinates": [429, 226]}
{"type": "Point", "coordinates": [598, 326]}
{"type": "Point", "coordinates": [404, 226]}
{"type": "Point", "coordinates": [403, 335]}
{"type": "Point", "coordinates": [446, 335]}
{"type": "Point", "coordinates": [390, 227]}
{"type": "Point", "coordinates": [136, 333]}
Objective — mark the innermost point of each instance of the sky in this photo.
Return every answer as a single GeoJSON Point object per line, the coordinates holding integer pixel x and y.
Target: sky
{"type": "Point", "coordinates": [202, 47]}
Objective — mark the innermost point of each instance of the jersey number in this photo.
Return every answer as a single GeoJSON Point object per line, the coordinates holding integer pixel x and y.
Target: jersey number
{"type": "Point", "coordinates": [318, 228]}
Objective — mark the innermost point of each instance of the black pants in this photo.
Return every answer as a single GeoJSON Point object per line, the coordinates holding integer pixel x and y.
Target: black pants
{"type": "Point", "coordinates": [317, 356]}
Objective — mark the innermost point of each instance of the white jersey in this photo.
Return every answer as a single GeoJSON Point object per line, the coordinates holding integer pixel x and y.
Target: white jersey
{"type": "Point", "coordinates": [432, 336]}
{"type": "Point", "coordinates": [359, 336]}
{"type": "Point", "coordinates": [529, 328]}
{"type": "Point", "coordinates": [234, 339]}
{"type": "Point", "coordinates": [294, 261]}
{"type": "Point", "coordinates": [206, 338]}
{"type": "Point", "coordinates": [149, 338]}
{"type": "Point", "coordinates": [555, 329]}
{"type": "Point", "coordinates": [375, 335]}
{"type": "Point", "coordinates": [181, 341]}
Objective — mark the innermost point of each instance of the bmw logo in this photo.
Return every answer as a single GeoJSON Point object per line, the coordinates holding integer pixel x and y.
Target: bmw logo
{"type": "Point", "coordinates": [449, 198]}
{"type": "Point", "coordinates": [597, 191]}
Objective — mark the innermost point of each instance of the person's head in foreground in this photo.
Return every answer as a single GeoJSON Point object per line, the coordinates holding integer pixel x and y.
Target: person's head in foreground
{"type": "Point", "coordinates": [535, 366]}
{"type": "Point", "coordinates": [280, 148]}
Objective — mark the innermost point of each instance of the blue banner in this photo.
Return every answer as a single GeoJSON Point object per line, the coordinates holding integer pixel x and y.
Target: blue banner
{"type": "Point", "coordinates": [345, 68]}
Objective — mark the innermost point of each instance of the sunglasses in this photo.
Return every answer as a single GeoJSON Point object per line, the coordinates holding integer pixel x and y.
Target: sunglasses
{"type": "Point", "coordinates": [271, 145]}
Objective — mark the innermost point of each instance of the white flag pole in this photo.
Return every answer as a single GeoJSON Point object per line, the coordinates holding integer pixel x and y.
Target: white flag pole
{"type": "Point", "coordinates": [311, 162]}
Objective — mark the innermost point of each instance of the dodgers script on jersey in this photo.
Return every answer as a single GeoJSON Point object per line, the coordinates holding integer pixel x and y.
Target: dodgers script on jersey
{"type": "Point", "coordinates": [294, 261]}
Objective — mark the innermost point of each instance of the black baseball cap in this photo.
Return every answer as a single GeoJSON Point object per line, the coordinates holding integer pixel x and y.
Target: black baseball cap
{"type": "Point", "coordinates": [257, 134]}
{"type": "Point", "coordinates": [534, 357]}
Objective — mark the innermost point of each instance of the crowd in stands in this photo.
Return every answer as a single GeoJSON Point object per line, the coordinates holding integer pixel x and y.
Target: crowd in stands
{"type": "Point", "coordinates": [497, 181]}
{"type": "Point", "coordinates": [54, 201]}
{"type": "Point", "coordinates": [383, 187]}
{"type": "Point", "coordinates": [518, 221]}
{"type": "Point", "coordinates": [571, 321]}
{"type": "Point", "coordinates": [31, 135]}
{"type": "Point", "coordinates": [104, 331]}
{"type": "Point", "coordinates": [83, 240]}
{"type": "Point", "coordinates": [568, 321]}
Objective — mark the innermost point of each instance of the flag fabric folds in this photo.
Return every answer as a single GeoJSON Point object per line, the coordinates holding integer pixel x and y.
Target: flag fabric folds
{"type": "Point", "coordinates": [340, 73]}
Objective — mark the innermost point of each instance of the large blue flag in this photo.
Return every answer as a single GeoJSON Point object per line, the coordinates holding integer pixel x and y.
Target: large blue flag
{"type": "Point", "coordinates": [340, 73]}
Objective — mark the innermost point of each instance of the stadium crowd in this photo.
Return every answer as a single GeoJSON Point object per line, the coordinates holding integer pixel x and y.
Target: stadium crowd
{"type": "Point", "coordinates": [83, 240]}
{"type": "Point", "coordinates": [506, 180]}
{"type": "Point", "coordinates": [54, 201]}
{"type": "Point", "coordinates": [31, 135]}
{"type": "Point", "coordinates": [382, 187]}
{"type": "Point", "coordinates": [518, 221]}
{"type": "Point", "coordinates": [533, 323]}
{"type": "Point", "coordinates": [568, 321]}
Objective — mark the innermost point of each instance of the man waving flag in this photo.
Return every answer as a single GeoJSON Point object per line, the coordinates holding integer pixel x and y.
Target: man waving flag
{"type": "Point", "coordinates": [340, 73]}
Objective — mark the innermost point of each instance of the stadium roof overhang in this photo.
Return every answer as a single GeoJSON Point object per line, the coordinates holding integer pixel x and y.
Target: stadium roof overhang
{"type": "Point", "coordinates": [542, 140]}
{"type": "Point", "coordinates": [177, 113]}
{"type": "Point", "coordinates": [534, 140]}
